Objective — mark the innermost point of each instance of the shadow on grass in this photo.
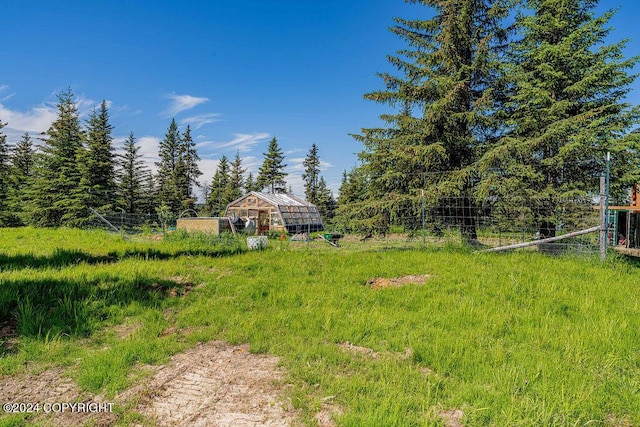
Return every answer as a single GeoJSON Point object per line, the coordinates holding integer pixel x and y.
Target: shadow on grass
{"type": "Point", "coordinates": [65, 257]}
{"type": "Point", "coordinates": [155, 254]}
{"type": "Point", "coordinates": [44, 309]}
{"type": "Point", "coordinates": [60, 258]}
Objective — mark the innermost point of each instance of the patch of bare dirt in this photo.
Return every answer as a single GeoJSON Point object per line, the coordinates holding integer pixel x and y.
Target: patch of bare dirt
{"type": "Point", "coordinates": [613, 421]}
{"type": "Point", "coordinates": [216, 384]}
{"type": "Point", "coordinates": [51, 387]}
{"type": "Point", "coordinates": [183, 287]}
{"type": "Point", "coordinates": [396, 282]}
{"type": "Point", "coordinates": [212, 384]}
{"type": "Point", "coordinates": [368, 352]}
{"type": "Point", "coordinates": [451, 417]}
{"type": "Point", "coordinates": [358, 349]}
{"type": "Point", "coordinates": [8, 335]}
{"type": "Point", "coordinates": [327, 413]}
{"type": "Point", "coordinates": [125, 330]}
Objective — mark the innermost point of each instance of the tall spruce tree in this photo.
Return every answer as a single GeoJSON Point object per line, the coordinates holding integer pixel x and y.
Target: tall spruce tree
{"type": "Point", "coordinates": [22, 160]}
{"type": "Point", "coordinates": [5, 174]}
{"type": "Point", "coordinates": [445, 96]}
{"type": "Point", "coordinates": [187, 171]}
{"type": "Point", "coordinates": [567, 111]}
{"type": "Point", "coordinates": [218, 197]}
{"type": "Point", "coordinates": [311, 174]}
{"type": "Point", "coordinates": [58, 196]}
{"type": "Point", "coordinates": [236, 178]}
{"type": "Point", "coordinates": [272, 174]}
{"type": "Point", "coordinates": [98, 165]}
{"type": "Point", "coordinates": [131, 176]}
{"type": "Point", "coordinates": [150, 200]}
{"type": "Point", "coordinates": [170, 154]}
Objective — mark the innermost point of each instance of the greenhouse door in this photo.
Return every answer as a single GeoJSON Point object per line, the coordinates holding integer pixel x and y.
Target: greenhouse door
{"type": "Point", "coordinates": [263, 222]}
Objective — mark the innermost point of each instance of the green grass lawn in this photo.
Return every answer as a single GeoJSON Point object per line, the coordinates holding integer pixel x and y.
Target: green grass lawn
{"type": "Point", "coordinates": [517, 339]}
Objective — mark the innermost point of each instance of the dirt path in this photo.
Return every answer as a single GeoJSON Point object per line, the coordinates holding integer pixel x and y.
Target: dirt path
{"type": "Point", "coordinates": [216, 384]}
{"type": "Point", "coordinates": [212, 384]}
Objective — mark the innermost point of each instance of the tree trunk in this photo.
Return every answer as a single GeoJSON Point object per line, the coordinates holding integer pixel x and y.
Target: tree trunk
{"type": "Point", "coordinates": [467, 218]}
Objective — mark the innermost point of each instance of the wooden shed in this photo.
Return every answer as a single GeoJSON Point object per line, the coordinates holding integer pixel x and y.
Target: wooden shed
{"type": "Point", "coordinates": [277, 212]}
{"type": "Point", "coordinates": [624, 224]}
{"type": "Point", "coordinates": [204, 224]}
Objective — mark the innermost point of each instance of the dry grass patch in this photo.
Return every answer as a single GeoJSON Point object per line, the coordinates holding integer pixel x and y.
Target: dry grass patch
{"type": "Point", "coordinates": [396, 282]}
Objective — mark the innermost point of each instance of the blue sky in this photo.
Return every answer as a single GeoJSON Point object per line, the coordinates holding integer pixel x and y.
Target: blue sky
{"type": "Point", "coordinates": [239, 72]}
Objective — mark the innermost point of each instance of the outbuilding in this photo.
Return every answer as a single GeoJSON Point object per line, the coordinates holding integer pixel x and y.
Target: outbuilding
{"type": "Point", "coordinates": [277, 212]}
{"type": "Point", "coordinates": [624, 223]}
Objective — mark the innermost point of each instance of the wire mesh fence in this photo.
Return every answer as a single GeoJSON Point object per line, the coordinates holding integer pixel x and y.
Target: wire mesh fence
{"type": "Point", "coordinates": [499, 221]}
{"type": "Point", "coordinates": [488, 223]}
{"type": "Point", "coordinates": [130, 223]}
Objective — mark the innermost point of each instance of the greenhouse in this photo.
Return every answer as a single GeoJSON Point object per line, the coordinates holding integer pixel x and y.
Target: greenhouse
{"type": "Point", "coordinates": [277, 212]}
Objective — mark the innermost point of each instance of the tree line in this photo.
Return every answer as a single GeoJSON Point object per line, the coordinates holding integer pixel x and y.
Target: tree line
{"type": "Point", "coordinates": [73, 170]}
{"type": "Point", "coordinates": [512, 101]}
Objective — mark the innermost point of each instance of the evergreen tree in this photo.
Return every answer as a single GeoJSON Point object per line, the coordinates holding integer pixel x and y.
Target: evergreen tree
{"type": "Point", "coordinates": [353, 214]}
{"type": "Point", "coordinates": [446, 95]}
{"type": "Point", "coordinates": [131, 177]}
{"type": "Point", "coordinates": [170, 154]}
{"type": "Point", "coordinates": [98, 165]}
{"type": "Point", "coordinates": [5, 174]}
{"type": "Point", "coordinates": [150, 200]}
{"type": "Point", "coordinates": [272, 174]}
{"type": "Point", "coordinates": [187, 170]}
{"type": "Point", "coordinates": [58, 196]}
{"type": "Point", "coordinates": [311, 174]}
{"type": "Point", "coordinates": [218, 197]}
{"type": "Point", "coordinates": [250, 185]}
{"type": "Point", "coordinates": [182, 185]}
{"type": "Point", "coordinates": [22, 165]}
{"type": "Point", "coordinates": [22, 159]}
{"type": "Point", "coordinates": [567, 111]}
{"type": "Point", "coordinates": [325, 202]}
{"type": "Point", "coordinates": [236, 179]}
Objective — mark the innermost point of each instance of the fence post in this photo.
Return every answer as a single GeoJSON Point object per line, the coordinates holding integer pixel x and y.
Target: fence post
{"type": "Point", "coordinates": [603, 220]}
{"type": "Point", "coordinates": [424, 232]}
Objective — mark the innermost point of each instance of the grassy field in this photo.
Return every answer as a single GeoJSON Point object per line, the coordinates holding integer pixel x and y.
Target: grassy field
{"type": "Point", "coordinates": [516, 339]}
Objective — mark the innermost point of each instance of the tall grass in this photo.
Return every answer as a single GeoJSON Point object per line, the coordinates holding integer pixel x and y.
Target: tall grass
{"type": "Point", "coordinates": [510, 339]}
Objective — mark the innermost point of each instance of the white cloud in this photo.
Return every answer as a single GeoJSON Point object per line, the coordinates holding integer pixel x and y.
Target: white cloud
{"type": "Point", "coordinates": [36, 120]}
{"type": "Point", "coordinates": [297, 164]}
{"type": "Point", "coordinates": [243, 141]}
{"type": "Point", "coordinates": [181, 103]}
{"type": "Point", "coordinates": [294, 180]}
{"type": "Point", "coordinates": [293, 151]}
{"type": "Point", "coordinates": [87, 105]}
{"type": "Point", "coordinates": [200, 120]}
{"type": "Point", "coordinates": [149, 150]}
{"type": "Point", "coordinates": [208, 168]}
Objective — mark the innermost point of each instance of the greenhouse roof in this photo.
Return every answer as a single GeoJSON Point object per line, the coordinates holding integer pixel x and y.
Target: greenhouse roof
{"type": "Point", "coordinates": [281, 199]}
